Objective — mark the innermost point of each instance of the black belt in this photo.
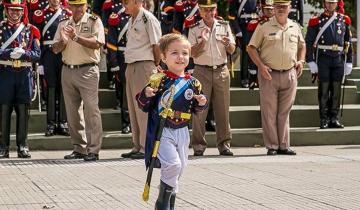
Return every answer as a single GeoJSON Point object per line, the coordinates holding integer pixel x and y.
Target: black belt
{"type": "Point", "coordinates": [212, 67]}
{"type": "Point", "coordinates": [281, 70]}
{"type": "Point", "coordinates": [79, 66]}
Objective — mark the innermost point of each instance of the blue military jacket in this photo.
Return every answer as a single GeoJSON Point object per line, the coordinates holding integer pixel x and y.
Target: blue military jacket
{"type": "Point", "coordinates": [249, 12]}
{"type": "Point", "coordinates": [183, 104]}
{"type": "Point", "coordinates": [336, 34]}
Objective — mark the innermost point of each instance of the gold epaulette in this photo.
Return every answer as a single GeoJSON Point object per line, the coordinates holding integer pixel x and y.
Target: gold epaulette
{"type": "Point", "coordinates": [197, 84]}
{"type": "Point", "coordinates": [155, 80]}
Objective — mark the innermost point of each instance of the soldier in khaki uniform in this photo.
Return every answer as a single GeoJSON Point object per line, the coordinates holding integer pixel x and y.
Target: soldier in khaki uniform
{"type": "Point", "coordinates": [79, 38]}
{"type": "Point", "coordinates": [142, 55]}
{"type": "Point", "coordinates": [278, 49]}
{"type": "Point", "coordinates": [211, 41]}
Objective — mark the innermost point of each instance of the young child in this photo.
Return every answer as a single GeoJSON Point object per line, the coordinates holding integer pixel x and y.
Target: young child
{"type": "Point", "coordinates": [187, 99]}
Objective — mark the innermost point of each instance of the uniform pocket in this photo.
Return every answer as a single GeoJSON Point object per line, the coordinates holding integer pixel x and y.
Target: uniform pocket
{"type": "Point", "coordinates": [293, 42]}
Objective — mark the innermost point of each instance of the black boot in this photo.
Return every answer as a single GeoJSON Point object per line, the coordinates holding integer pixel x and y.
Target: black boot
{"type": "Point", "coordinates": [22, 117]}
{"type": "Point", "coordinates": [50, 129]}
{"type": "Point", "coordinates": [63, 128]}
{"type": "Point", "coordinates": [51, 112]}
{"type": "Point", "coordinates": [6, 111]}
{"type": "Point", "coordinates": [335, 98]}
{"type": "Point", "coordinates": [163, 201]}
{"type": "Point", "coordinates": [323, 97]}
{"type": "Point", "coordinates": [172, 201]}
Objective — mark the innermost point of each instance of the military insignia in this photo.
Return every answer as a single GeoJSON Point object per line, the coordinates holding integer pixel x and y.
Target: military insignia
{"type": "Point", "coordinates": [144, 18]}
{"type": "Point", "coordinates": [93, 17]}
{"type": "Point", "coordinates": [339, 31]}
{"type": "Point", "coordinates": [197, 84]}
{"type": "Point", "coordinates": [189, 93]}
{"type": "Point", "coordinates": [85, 29]}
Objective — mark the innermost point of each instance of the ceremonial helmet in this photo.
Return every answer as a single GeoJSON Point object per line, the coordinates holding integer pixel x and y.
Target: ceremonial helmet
{"type": "Point", "coordinates": [282, 2]}
{"type": "Point", "coordinates": [267, 4]}
{"type": "Point", "coordinates": [207, 3]}
{"type": "Point", "coordinates": [77, 2]}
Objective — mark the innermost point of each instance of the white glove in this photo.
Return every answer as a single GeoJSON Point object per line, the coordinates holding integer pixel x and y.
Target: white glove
{"type": "Point", "coordinates": [113, 69]}
{"type": "Point", "coordinates": [17, 53]}
{"type": "Point", "coordinates": [313, 67]}
{"type": "Point", "coordinates": [348, 68]}
{"type": "Point", "coordinates": [239, 34]}
{"type": "Point", "coordinates": [40, 69]}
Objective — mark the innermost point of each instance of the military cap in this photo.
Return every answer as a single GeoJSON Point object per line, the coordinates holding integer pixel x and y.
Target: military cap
{"type": "Point", "coordinates": [282, 2]}
{"type": "Point", "coordinates": [77, 1]}
{"type": "Point", "coordinates": [207, 3]}
{"type": "Point", "coordinates": [267, 3]}
{"type": "Point", "coordinates": [15, 4]}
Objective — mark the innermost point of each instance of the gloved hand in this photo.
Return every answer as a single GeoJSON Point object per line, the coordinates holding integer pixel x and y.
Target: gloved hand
{"type": "Point", "coordinates": [313, 67]}
{"type": "Point", "coordinates": [348, 68]}
{"type": "Point", "coordinates": [113, 69]}
{"type": "Point", "coordinates": [40, 70]}
{"type": "Point", "coordinates": [17, 53]}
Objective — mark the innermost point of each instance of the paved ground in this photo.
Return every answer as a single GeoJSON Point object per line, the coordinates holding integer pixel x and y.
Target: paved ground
{"type": "Point", "coordinates": [326, 177]}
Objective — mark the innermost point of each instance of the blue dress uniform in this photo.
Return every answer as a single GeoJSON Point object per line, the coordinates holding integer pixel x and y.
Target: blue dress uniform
{"type": "Point", "coordinates": [2, 12]}
{"type": "Point", "coordinates": [16, 54]}
{"type": "Point", "coordinates": [41, 5]}
{"type": "Point", "coordinates": [241, 12]}
{"type": "Point", "coordinates": [327, 55]}
{"type": "Point", "coordinates": [167, 13]}
{"type": "Point", "coordinates": [186, 14]}
{"type": "Point", "coordinates": [47, 21]}
{"type": "Point", "coordinates": [297, 11]}
{"type": "Point", "coordinates": [175, 139]}
{"type": "Point", "coordinates": [116, 43]}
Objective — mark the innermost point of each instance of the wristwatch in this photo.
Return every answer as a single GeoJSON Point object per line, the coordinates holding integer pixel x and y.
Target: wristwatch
{"type": "Point", "coordinates": [302, 62]}
{"type": "Point", "coordinates": [76, 38]}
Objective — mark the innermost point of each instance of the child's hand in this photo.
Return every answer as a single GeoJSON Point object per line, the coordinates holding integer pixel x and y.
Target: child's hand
{"type": "Point", "coordinates": [150, 92]}
{"type": "Point", "coordinates": [201, 99]}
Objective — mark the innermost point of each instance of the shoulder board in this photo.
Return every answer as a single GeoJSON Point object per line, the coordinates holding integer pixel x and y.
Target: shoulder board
{"type": "Point", "coordinates": [93, 17]}
{"type": "Point", "coordinates": [64, 18]}
{"type": "Point", "coordinates": [67, 11]}
{"type": "Point", "coordinates": [264, 21]}
{"type": "Point", "coordinates": [314, 20]}
{"type": "Point", "coordinates": [145, 19]}
{"type": "Point", "coordinates": [195, 24]}
{"type": "Point", "coordinates": [155, 79]}
{"type": "Point", "coordinates": [38, 16]}
{"type": "Point", "coordinates": [179, 6]}
{"type": "Point", "coordinates": [224, 22]}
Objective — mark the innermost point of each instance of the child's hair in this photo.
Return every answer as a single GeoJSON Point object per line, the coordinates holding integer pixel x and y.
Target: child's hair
{"type": "Point", "coordinates": [167, 39]}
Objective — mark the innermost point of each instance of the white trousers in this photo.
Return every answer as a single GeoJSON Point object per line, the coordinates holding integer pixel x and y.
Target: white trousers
{"type": "Point", "coordinates": [173, 154]}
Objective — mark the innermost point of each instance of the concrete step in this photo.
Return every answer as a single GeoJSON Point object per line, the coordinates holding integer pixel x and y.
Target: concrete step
{"type": "Point", "coordinates": [240, 117]}
{"type": "Point", "coordinates": [250, 137]}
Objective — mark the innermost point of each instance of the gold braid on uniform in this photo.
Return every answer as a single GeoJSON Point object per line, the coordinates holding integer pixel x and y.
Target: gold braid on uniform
{"type": "Point", "coordinates": [155, 80]}
{"type": "Point", "coordinates": [197, 85]}
{"type": "Point", "coordinates": [93, 17]}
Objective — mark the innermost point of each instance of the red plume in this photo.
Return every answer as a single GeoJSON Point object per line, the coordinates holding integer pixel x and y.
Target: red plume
{"type": "Point", "coordinates": [341, 7]}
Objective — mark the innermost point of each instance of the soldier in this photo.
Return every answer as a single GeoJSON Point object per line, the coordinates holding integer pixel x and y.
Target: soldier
{"type": "Point", "coordinates": [118, 23]}
{"type": "Point", "coordinates": [241, 12]}
{"type": "Point", "coordinates": [187, 14]}
{"type": "Point", "coordinates": [166, 17]}
{"type": "Point", "coordinates": [297, 11]}
{"type": "Point", "coordinates": [79, 39]}
{"type": "Point", "coordinates": [19, 47]}
{"type": "Point", "coordinates": [47, 21]}
{"type": "Point", "coordinates": [267, 9]}
{"type": "Point", "coordinates": [142, 55]}
{"type": "Point", "coordinates": [277, 47]}
{"type": "Point", "coordinates": [211, 70]}
{"type": "Point", "coordinates": [328, 41]}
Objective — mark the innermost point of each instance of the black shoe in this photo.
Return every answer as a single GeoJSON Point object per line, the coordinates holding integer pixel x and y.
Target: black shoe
{"type": "Point", "coordinates": [324, 123]}
{"type": "Point", "coordinates": [210, 125]}
{"type": "Point", "coordinates": [244, 83]}
{"type": "Point", "coordinates": [91, 157]}
{"type": "Point", "coordinates": [335, 124]}
{"type": "Point", "coordinates": [138, 155]}
{"type": "Point", "coordinates": [4, 153]}
{"type": "Point", "coordinates": [271, 152]}
{"type": "Point", "coordinates": [163, 200]}
{"type": "Point", "coordinates": [198, 153]}
{"type": "Point", "coordinates": [75, 155]}
{"type": "Point", "coordinates": [63, 129]}
{"type": "Point", "coordinates": [286, 152]}
{"type": "Point", "coordinates": [50, 130]}
{"type": "Point", "coordinates": [43, 106]}
{"type": "Point", "coordinates": [226, 152]}
{"type": "Point", "coordinates": [128, 154]}
{"type": "Point", "coordinates": [24, 154]}
{"type": "Point", "coordinates": [126, 129]}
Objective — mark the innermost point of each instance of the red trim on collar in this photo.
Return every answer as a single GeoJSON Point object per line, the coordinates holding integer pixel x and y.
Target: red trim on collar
{"type": "Point", "coordinates": [175, 76]}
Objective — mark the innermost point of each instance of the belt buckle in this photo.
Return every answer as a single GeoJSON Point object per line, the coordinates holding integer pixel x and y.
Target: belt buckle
{"type": "Point", "coordinates": [215, 67]}
{"type": "Point", "coordinates": [334, 47]}
{"type": "Point", "coordinates": [16, 63]}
